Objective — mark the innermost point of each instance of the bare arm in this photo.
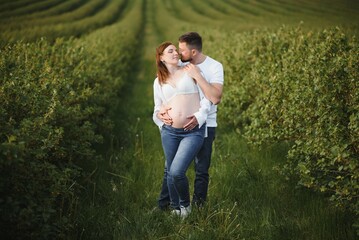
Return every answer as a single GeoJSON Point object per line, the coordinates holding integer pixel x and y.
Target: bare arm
{"type": "Point", "coordinates": [212, 91]}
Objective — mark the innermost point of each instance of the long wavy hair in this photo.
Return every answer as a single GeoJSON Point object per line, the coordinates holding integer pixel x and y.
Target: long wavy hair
{"type": "Point", "coordinates": [162, 71]}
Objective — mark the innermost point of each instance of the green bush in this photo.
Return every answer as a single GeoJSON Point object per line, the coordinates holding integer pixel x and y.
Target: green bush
{"type": "Point", "coordinates": [300, 87]}
{"type": "Point", "coordinates": [48, 125]}
{"type": "Point", "coordinates": [55, 103]}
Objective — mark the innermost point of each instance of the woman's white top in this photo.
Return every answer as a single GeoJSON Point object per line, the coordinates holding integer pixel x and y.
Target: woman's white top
{"type": "Point", "coordinates": [185, 85]}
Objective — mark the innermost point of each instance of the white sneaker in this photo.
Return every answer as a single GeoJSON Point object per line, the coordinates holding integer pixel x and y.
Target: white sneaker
{"type": "Point", "coordinates": [176, 212]}
{"type": "Point", "coordinates": [185, 211]}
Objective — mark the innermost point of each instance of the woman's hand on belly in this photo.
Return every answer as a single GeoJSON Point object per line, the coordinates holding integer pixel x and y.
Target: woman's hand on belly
{"type": "Point", "coordinates": [179, 119]}
{"type": "Point", "coordinates": [183, 106]}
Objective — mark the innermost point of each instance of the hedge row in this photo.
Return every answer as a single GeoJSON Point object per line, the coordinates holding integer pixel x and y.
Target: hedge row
{"type": "Point", "coordinates": [303, 88]}
{"type": "Point", "coordinates": [107, 15]}
{"type": "Point", "coordinates": [54, 103]}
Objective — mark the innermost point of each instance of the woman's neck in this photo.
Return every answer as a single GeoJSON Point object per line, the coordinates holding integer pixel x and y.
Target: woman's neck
{"type": "Point", "coordinates": [172, 69]}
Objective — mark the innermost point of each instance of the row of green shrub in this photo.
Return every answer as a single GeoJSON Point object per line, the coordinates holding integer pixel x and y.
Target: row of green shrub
{"type": "Point", "coordinates": [54, 104]}
{"type": "Point", "coordinates": [20, 8]}
{"type": "Point", "coordinates": [109, 14]}
{"type": "Point", "coordinates": [14, 11]}
{"type": "Point", "coordinates": [53, 17]}
{"type": "Point", "coordinates": [302, 88]}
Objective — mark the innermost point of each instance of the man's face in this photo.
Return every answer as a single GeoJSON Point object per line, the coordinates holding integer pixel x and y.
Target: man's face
{"type": "Point", "coordinates": [185, 52]}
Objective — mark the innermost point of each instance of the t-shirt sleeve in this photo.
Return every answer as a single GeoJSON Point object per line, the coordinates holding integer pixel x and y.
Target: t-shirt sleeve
{"type": "Point", "coordinates": [217, 74]}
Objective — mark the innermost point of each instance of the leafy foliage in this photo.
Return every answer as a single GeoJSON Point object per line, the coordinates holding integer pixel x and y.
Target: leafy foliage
{"type": "Point", "coordinates": [53, 112]}
{"type": "Point", "coordinates": [300, 87]}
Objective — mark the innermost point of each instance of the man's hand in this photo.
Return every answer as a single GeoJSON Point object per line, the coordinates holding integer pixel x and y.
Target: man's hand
{"type": "Point", "coordinates": [191, 124]}
{"type": "Point", "coordinates": [193, 71]}
{"type": "Point", "coordinates": [163, 115]}
{"type": "Point", "coordinates": [212, 91]}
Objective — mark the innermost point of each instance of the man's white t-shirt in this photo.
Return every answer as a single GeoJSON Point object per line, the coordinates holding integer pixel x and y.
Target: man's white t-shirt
{"type": "Point", "coordinates": [212, 71]}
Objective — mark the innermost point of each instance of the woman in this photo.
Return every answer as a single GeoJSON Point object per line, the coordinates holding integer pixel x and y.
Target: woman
{"type": "Point", "coordinates": [177, 91]}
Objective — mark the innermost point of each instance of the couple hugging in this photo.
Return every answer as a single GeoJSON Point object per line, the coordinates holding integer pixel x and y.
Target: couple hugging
{"type": "Point", "coordinates": [187, 90]}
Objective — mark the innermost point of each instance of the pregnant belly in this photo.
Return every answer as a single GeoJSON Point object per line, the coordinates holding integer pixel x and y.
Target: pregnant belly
{"type": "Point", "coordinates": [183, 106]}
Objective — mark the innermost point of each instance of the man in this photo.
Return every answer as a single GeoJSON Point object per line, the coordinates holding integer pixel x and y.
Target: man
{"type": "Point", "coordinates": [208, 73]}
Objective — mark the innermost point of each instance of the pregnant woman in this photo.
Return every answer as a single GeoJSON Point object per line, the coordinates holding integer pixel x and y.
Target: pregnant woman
{"type": "Point", "coordinates": [180, 94]}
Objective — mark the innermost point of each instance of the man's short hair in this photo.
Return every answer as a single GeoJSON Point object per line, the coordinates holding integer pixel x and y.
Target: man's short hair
{"type": "Point", "coordinates": [192, 39]}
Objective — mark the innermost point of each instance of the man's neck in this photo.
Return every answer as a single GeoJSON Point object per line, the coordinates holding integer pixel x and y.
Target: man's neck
{"type": "Point", "coordinates": [199, 59]}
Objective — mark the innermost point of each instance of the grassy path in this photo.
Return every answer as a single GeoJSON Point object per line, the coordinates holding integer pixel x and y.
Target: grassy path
{"type": "Point", "coordinates": [248, 199]}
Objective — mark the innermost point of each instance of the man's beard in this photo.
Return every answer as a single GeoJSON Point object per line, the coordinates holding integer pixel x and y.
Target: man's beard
{"type": "Point", "coordinates": [185, 60]}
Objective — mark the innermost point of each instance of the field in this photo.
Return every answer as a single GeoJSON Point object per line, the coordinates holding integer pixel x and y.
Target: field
{"type": "Point", "coordinates": [80, 157]}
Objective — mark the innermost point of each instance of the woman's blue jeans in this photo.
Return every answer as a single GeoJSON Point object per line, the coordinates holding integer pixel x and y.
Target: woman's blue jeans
{"type": "Point", "coordinates": [180, 148]}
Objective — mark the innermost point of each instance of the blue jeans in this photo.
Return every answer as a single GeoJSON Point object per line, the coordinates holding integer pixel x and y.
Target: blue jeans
{"type": "Point", "coordinates": [180, 148]}
{"type": "Point", "coordinates": [202, 164]}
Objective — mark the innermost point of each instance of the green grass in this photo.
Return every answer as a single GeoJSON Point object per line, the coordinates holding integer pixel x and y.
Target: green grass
{"type": "Point", "coordinates": [248, 198]}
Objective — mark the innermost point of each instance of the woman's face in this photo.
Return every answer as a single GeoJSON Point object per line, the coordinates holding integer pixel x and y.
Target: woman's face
{"type": "Point", "coordinates": [170, 55]}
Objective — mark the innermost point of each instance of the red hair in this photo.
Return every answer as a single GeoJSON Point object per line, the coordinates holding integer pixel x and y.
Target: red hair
{"type": "Point", "coordinates": [162, 71]}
